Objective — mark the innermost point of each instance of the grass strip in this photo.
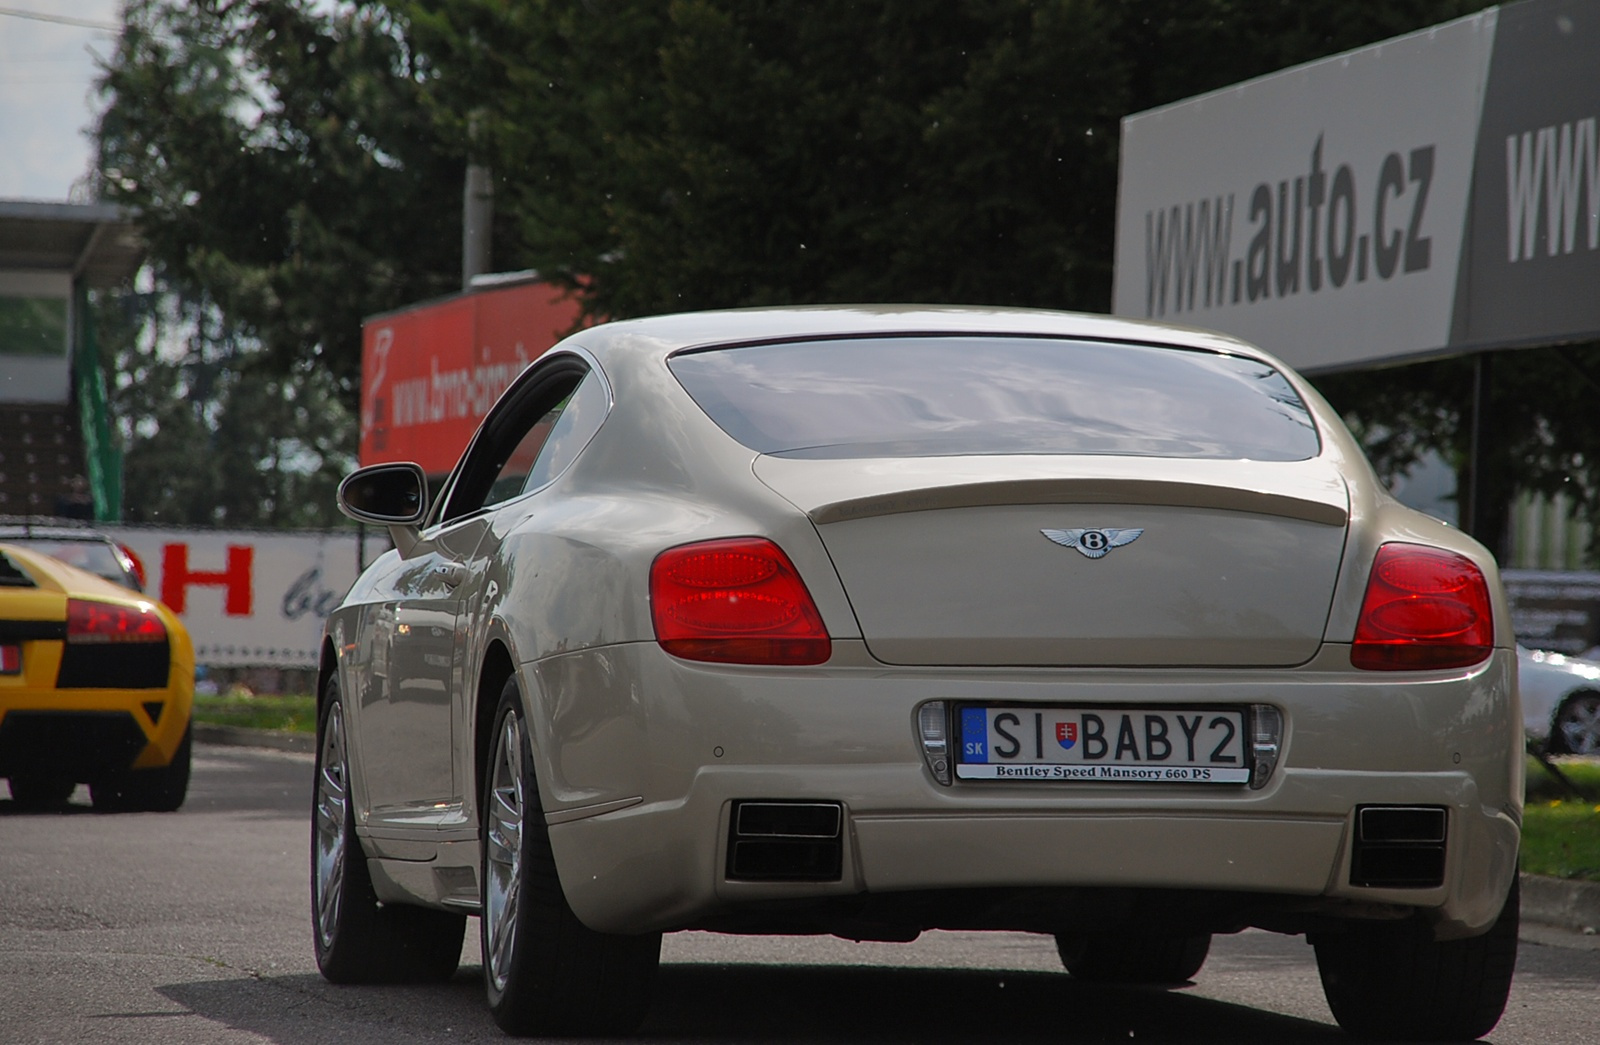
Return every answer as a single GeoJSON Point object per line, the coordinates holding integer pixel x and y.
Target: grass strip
{"type": "Point", "coordinates": [1562, 839]}
{"type": "Point", "coordinates": [297, 714]}
{"type": "Point", "coordinates": [1560, 831]}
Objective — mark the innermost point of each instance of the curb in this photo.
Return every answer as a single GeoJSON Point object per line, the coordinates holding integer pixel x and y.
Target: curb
{"type": "Point", "coordinates": [1556, 902]}
{"type": "Point", "coordinates": [236, 736]}
{"type": "Point", "coordinates": [1561, 903]}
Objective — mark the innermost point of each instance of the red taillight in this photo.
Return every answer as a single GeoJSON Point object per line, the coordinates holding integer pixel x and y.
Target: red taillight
{"type": "Point", "coordinates": [735, 601]}
{"type": "Point", "coordinates": [1424, 608]}
{"type": "Point", "coordinates": [111, 622]}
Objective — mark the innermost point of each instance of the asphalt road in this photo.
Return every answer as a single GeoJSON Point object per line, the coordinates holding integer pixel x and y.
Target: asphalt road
{"type": "Point", "coordinates": [194, 927]}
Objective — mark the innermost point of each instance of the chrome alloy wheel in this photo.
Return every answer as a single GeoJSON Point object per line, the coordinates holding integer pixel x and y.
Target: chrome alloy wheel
{"type": "Point", "coordinates": [1579, 724]}
{"type": "Point", "coordinates": [333, 798]}
{"type": "Point", "coordinates": [503, 850]}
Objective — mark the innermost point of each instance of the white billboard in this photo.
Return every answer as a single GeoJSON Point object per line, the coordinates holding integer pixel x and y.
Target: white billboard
{"type": "Point", "coordinates": [1433, 193]}
{"type": "Point", "coordinates": [248, 598]}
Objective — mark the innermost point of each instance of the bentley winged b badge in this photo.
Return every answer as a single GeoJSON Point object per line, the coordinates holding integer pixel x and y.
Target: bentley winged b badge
{"type": "Point", "coordinates": [1094, 543]}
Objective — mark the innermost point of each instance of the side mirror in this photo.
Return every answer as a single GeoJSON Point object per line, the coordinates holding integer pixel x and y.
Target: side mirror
{"type": "Point", "coordinates": [391, 495]}
{"type": "Point", "coordinates": [385, 494]}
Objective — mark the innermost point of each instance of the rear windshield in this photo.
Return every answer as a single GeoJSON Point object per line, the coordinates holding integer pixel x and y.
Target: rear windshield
{"type": "Point", "coordinates": [942, 396]}
{"type": "Point", "coordinates": [94, 556]}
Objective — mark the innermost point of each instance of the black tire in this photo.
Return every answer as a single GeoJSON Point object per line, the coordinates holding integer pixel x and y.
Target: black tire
{"type": "Point", "coordinates": [356, 939]}
{"type": "Point", "coordinates": [1575, 730]}
{"type": "Point", "coordinates": [547, 973]}
{"type": "Point", "coordinates": [159, 790]}
{"type": "Point", "coordinates": [1392, 980]}
{"type": "Point", "coordinates": [1133, 957]}
{"type": "Point", "coordinates": [40, 791]}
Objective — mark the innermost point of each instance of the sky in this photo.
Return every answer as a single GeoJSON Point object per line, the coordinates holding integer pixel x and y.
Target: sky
{"type": "Point", "coordinates": [47, 103]}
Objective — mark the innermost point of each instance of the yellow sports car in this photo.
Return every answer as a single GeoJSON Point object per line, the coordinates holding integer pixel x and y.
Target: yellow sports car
{"type": "Point", "coordinates": [96, 686]}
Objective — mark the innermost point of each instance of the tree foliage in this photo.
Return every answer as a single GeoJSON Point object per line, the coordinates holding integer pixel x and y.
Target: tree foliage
{"type": "Point", "coordinates": [1541, 433]}
{"type": "Point", "coordinates": [298, 166]}
{"type": "Point", "coordinates": [710, 153]}
{"type": "Point", "coordinates": [289, 182]}
{"type": "Point", "coordinates": [283, 166]}
{"type": "Point", "coordinates": [214, 434]}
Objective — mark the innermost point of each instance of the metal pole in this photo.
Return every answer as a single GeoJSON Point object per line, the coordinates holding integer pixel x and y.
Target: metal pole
{"type": "Point", "coordinates": [1479, 513]}
{"type": "Point", "coordinates": [477, 215]}
{"type": "Point", "coordinates": [1469, 504]}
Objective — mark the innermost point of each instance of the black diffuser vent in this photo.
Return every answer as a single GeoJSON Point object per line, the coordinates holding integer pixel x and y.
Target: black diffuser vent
{"type": "Point", "coordinates": [1399, 847]}
{"type": "Point", "coordinates": [115, 665]}
{"type": "Point", "coordinates": [786, 841]}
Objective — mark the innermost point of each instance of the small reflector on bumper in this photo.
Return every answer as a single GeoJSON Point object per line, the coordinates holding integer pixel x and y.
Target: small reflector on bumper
{"type": "Point", "coordinates": [1266, 740]}
{"type": "Point", "coordinates": [932, 730]}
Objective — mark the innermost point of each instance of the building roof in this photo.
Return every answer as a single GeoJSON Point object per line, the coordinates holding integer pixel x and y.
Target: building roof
{"type": "Point", "coordinates": [95, 242]}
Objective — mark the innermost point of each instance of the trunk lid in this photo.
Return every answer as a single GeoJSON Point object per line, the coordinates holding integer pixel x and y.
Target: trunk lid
{"type": "Point", "coordinates": [1034, 560]}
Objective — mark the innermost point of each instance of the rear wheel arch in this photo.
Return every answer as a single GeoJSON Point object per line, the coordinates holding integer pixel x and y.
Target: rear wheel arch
{"type": "Point", "coordinates": [498, 667]}
{"type": "Point", "coordinates": [327, 664]}
{"type": "Point", "coordinates": [545, 971]}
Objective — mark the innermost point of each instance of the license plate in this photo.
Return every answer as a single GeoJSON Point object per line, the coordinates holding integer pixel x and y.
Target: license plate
{"type": "Point", "coordinates": [1114, 745]}
{"type": "Point", "coordinates": [10, 660]}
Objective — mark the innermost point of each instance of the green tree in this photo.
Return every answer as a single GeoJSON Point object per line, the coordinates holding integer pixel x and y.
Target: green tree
{"type": "Point", "coordinates": [216, 435]}
{"type": "Point", "coordinates": [284, 169]}
{"type": "Point", "coordinates": [289, 182]}
{"type": "Point", "coordinates": [710, 153]}
{"type": "Point", "coordinates": [1541, 431]}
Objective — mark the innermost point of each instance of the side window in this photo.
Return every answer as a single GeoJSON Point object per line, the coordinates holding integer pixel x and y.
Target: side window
{"type": "Point", "coordinates": [529, 439]}
{"type": "Point", "coordinates": [513, 475]}
{"type": "Point", "coordinates": [579, 419]}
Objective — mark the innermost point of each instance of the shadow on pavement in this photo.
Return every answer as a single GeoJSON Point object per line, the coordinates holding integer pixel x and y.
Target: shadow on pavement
{"type": "Point", "coordinates": [8, 807]}
{"type": "Point", "coordinates": [753, 1003]}
{"type": "Point", "coordinates": [249, 782]}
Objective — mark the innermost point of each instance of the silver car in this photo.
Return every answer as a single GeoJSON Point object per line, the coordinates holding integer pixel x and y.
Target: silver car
{"type": "Point", "coordinates": [1560, 701]}
{"type": "Point", "coordinates": [874, 620]}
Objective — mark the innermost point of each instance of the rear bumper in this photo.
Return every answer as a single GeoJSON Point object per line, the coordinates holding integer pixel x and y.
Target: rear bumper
{"type": "Point", "coordinates": [707, 738]}
{"type": "Point", "coordinates": [85, 732]}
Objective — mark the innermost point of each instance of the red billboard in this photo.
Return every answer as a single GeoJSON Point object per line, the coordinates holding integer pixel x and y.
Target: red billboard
{"type": "Point", "coordinates": [430, 372]}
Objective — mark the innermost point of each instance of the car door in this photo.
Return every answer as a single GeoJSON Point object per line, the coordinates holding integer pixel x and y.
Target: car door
{"type": "Point", "coordinates": [418, 718]}
{"type": "Point", "coordinates": [407, 721]}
